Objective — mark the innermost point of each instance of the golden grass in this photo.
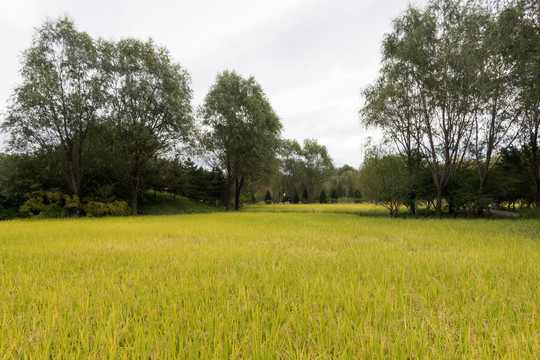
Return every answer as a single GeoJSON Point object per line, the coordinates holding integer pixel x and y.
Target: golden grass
{"type": "Point", "coordinates": [260, 285]}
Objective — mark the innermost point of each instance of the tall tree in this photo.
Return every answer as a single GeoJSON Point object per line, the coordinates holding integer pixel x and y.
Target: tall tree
{"type": "Point", "coordinates": [436, 52]}
{"type": "Point", "coordinates": [317, 164]}
{"type": "Point", "coordinates": [291, 164]}
{"type": "Point", "coordinates": [149, 107]}
{"type": "Point", "coordinates": [497, 113]}
{"type": "Point", "coordinates": [391, 105]}
{"type": "Point", "coordinates": [58, 103]}
{"type": "Point", "coordinates": [241, 130]}
{"type": "Point", "coordinates": [519, 26]}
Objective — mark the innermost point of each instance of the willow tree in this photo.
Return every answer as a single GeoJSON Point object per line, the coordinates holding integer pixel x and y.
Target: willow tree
{"type": "Point", "coordinates": [240, 130]}
{"type": "Point", "coordinates": [149, 107]}
{"type": "Point", "coordinates": [435, 52]}
{"type": "Point", "coordinates": [497, 113]}
{"type": "Point", "coordinates": [519, 38]}
{"type": "Point", "coordinates": [291, 165]}
{"type": "Point", "coordinates": [317, 165]}
{"type": "Point", "coordinates": [57, 106]}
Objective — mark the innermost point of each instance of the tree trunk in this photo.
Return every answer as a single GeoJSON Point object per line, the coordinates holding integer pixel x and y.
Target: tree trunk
{"type": "Point", "coordinates": [412, 203]}
{"type": "Point", "coordinates": [480, 200]}
{"type": "Point", "coordinates": [451, 205]}
{"type": "Point", "coordinates": [438, 204]}
{"type": "Point", "coordinates": [134, 202]}
{"type": "Point", "coordinates": [238, 190]}
{"type": "Point", "coordinates": [537, 181]}
{"type": "Point", "coordinates": [134, 193]}
{"type": "Point", "coordinates": [535, 167]}
{"type": "Point", "coordinates": [76, 188]}
{"type": "Point", "coordinates": [237, 200]}
{"type": "Point", "coordinates": [229, 196]}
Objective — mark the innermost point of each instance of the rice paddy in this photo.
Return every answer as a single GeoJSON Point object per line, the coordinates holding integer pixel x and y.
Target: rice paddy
{"type": "Point", "coordinates": [258, 285]}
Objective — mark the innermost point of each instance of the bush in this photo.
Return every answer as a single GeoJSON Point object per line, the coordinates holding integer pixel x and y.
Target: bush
{"type": "Point", "coordinates": [115, 208]}
{"type": "Point", "coordinates": [52, 204]}
{"type": "Point", "coordinates": [119, 208]}
{"type": "Point", "coordinates": [96, 208]}
{"type": "Point", "coordinates": [43, 203]}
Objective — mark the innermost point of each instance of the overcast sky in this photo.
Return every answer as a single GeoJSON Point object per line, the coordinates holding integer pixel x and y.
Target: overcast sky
{"type": "Point", "coordinates": [311, 57]}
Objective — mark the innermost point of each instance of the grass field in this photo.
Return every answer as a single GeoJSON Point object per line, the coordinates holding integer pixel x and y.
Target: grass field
{"type": "Point", "coordinates": [257, 285]}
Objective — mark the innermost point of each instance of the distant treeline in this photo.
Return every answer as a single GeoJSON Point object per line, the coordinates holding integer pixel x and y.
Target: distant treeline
{"type": "Point", "coordinates": [94, 124]}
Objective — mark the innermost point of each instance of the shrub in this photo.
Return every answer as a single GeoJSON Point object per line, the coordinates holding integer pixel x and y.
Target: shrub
{"type": "Point", "coordinates": [119, 208]}
{"type": "Point", "coordinates": [115, 208]}
{"type": "Point", "coordinates": [44, 204]}
{"type": "Point", "coordinates": [96, 208]}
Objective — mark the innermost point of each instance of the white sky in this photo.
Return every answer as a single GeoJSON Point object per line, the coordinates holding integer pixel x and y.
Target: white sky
{"type": "Point", "coordinates": [311, 57]}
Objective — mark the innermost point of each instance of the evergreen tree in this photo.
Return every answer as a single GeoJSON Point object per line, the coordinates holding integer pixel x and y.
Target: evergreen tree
{"type": "Point", "coordinates": [334, 195]}
{"type": "Point", "coordinates": [322, 198]}
{"type": "Point", "coordinates": [305, 196]}
{"type": "Point", "coordinates": [296, 198]}
{"type": "Point", "coordinates": [268, 197]}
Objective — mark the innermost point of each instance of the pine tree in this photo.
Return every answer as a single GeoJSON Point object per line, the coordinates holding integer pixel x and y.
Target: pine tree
{"type": "Point", "coordinates": [268, 197]}
{"type": "Point", "coordinates": [322, 198]}
{"type": "Point", "coordinates": [305, 196]}
{"type": "Point", "coordinates": [296, 198]}
{"type": "Point", "coordinates": [334, 195]}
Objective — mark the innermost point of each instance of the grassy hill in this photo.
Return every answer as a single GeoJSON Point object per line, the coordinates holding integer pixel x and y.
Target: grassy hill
{"type": "Point", "coordinates": [166, 204]}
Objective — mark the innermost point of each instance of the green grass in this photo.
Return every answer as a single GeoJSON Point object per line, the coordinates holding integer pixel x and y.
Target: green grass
{"type": "Point", "coordinates": [166, 204]}
{"type": "Point", "coordinates": [270, 285]}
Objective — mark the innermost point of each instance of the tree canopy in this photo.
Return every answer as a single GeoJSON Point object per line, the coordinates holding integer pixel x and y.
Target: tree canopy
{"type": "Point", "coordinates": [240, 130]}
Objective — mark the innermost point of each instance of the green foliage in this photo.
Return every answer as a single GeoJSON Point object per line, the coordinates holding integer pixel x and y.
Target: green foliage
{"type": "Point", "coordinates": [386, 180]}
{"type": "Point", "coordinates": [58, 103]}
{"type": "Point", "coordinates": [322, 197]}
{"type": "Point", "coordinates": [268, 197]}
{"type": "Point", "coordinates": [164, 203]}
{"type": "Point", "coordinates": [296, 198]}
{"type": "Point", "coordinates": [21, 174]}
{"type": "Point", "coordinates": [150, 112]}
{"type": "Point", "coordinates": [334, 195]}
{"type": "Point", "coordinates": [54, 204]}
{"type": "Point", "coordinates": [96, 208]}
{"type": "Point", "coordinates": [198, 183]}
{"type": "Point", "coordinates": [511, 181]}
{"type": "Point", "coordinates": [426, 97]}
{"type": "Point", "coordinates": [305, 198]}
{"type": "Point", "coordinates": [115, 208]}
{"type": "Point", "coordinates": [518, 30]}
{"type": "Point", "coordinates": [307, 166]}
{"type": "Point", "coordinates": [241, 131]}
{"type": "Point", "coordinates": [46, 204]}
